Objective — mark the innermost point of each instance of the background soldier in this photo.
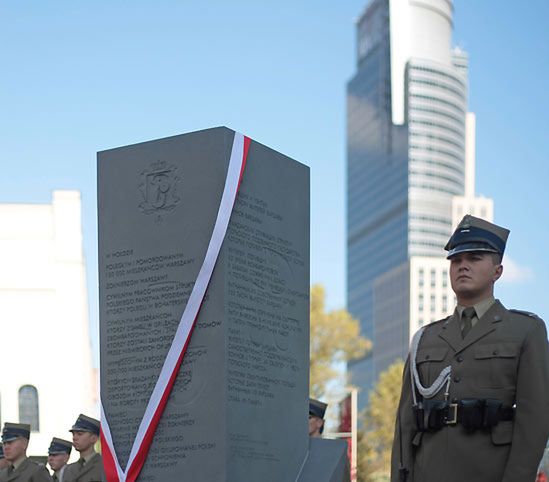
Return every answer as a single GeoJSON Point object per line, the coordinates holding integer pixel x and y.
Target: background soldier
{"type": "Point", "coordinates": [475, 398]}
{"type": "Point", "coordinates": [89, 468]}
{"type": "Point", "coordinates": [317, 409]}
{"type": "Point", "coordinates": [15, 437]}
{"type": "Point", "coordinates": [58, 456]}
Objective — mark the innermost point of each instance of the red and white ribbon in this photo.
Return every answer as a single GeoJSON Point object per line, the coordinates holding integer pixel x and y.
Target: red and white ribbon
{"type": "Point", "coordinates": [168, 374]}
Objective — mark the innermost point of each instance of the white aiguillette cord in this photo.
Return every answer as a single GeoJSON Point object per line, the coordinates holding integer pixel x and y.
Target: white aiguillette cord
{"type": "Point", "coordinates": [443, 376]}
{"type": "Point", "coordinates": [186, 324]}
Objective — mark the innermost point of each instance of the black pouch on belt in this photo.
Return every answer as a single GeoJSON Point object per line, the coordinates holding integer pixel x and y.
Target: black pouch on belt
{"type": "Point", "coordinates": [471, 413]}
{"type": "Point", "coordinates": [492, 409]}
{"type": "Point", "coordinates": [435, 414]}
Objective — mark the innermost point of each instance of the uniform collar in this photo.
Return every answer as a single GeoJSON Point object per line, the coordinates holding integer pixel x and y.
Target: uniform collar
{"type": "Point", "coordinates": [89, 457]}
{"type": "Point", "coordinates": [480, 308]}
{"type": "Point", "coordinates": [19, 461]}
{"type": "Point", "coordinates": [450, 331]}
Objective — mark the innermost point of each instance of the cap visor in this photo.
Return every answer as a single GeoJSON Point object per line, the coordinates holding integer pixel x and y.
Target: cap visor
{"type": "Point", "coordinates": [469, 248]}
{"type": "Point", "coordinates": [11, 438]}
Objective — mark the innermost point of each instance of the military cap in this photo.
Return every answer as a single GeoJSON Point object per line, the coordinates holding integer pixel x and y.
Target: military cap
{"type": "Point", "coordinates": [59, 446]}
{"type": "Point", "coordinates": [317, 408]}
{"type": "Point", "coordinates": [85, 424]}
{"type": "Point", "coordinates": [475, 234]}
{"type": "Point", "coordinates": [12, 431]}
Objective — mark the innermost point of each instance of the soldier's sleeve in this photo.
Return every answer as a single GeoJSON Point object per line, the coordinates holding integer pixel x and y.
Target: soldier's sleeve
{"type": "Point", "coordinates": [102, 465]}
{"type": "Point", "coordinates": [68, 475]}
{"type": "Point", "coordinates": [41, 475]}
{"type": "Point", "coordinates": [404, 430]}
{"type": "Point", "coordinates": [531, 425]}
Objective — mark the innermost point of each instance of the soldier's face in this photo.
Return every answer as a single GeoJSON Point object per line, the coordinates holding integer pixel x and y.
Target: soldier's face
{"type": "Point", "coordinates": [15, 449]}
{"type": "Point", "coordinates": [315, 424]}
{"type": "Point", "coordinates": [83, 441]}
{"type": "Point", "coordinates": [57, 461]}
{"type": "Point", "coordinates": [473, 275]}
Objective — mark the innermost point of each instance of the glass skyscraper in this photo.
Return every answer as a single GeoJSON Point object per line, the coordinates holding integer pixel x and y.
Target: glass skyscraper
{"type": "Point", "coordinates": [406, 143]}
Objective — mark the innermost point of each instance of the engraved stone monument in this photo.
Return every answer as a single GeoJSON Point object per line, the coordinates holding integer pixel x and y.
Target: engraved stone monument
{"type": "Point", "coordinates": [237, 411]}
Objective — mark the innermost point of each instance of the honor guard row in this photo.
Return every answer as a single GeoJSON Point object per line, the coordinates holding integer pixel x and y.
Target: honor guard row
{"type": "Point", "coordinates": [475, 396]}
{"type": "Point", "coordinates": [16, 467]}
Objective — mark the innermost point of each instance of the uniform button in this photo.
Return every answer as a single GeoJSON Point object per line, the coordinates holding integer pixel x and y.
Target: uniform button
{"type": "Point", "coordinates": [495, 352]}
{"type": "Point", "coordinates": [459, 358]}
{"type": "Point", "coordinates": [457, 379]}
{"type": "Point", "coordinates": [427, 357]}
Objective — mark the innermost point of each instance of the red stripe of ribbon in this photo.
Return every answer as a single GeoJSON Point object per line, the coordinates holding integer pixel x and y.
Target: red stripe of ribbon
{"type": "Point", "coordinates": [108, 460]}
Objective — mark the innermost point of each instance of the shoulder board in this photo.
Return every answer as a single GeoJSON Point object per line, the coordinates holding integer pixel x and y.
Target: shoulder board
{"type": "Point", "coordinates": [525, 313]}
{"type": "Point", "coordinates": [433, 323]}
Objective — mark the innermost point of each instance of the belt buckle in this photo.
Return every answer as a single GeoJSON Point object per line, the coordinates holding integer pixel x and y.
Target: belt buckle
{"type": "Point", "coordinates": [451, 418]}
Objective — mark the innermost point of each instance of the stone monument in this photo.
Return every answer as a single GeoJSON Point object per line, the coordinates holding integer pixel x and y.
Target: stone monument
{"type": "Point", "coordinates": [237, 411]}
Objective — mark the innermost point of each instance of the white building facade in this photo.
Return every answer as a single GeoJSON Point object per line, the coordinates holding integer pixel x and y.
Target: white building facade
{"type": "Point", "coordinates": [47, 376]}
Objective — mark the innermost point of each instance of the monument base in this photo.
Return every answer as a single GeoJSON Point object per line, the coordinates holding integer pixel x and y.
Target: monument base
{"type": "Point", "coordinates": [327, 462]}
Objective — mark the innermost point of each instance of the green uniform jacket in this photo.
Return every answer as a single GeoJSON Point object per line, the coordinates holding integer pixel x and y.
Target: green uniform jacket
{"type": "Point", "coordinates": [91, 472]}
{"type": "Point", "coordinates": [28, 471]}
{"type": "Point", "coordinates": [505, 356]}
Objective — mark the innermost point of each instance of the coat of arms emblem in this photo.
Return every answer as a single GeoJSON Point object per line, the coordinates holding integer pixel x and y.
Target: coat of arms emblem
{"type": "Point", "coordinates": [159, 188]}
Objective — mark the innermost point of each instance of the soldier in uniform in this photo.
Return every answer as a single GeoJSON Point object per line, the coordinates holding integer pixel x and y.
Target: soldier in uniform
{"type": "Point", "coordinates": [58, 456]}
{"type": "Point", "coordinates": [475, 398]}
{"type": "Point", "coordinates": [317, 409]}
{"type": "Point", "coordinates": [3, 462]}
{"type": "Point", "coordinates": [89, 468]}
{"type": "Point", "coordinates": [15, 437]}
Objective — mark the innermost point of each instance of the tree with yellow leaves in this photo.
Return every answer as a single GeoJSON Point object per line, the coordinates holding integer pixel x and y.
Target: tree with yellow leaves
{"type": "Point", "coordinates": [335, 337]}
{"type": "Point", "coordinates": [375, 440]}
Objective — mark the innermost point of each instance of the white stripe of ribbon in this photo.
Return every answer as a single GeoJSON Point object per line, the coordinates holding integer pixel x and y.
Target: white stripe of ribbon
{"type": "Point", "coordinates": [191, 310]}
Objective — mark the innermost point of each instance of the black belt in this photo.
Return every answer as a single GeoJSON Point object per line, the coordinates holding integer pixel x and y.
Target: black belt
{"type": "Point", "coordinates": [471, 413]}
